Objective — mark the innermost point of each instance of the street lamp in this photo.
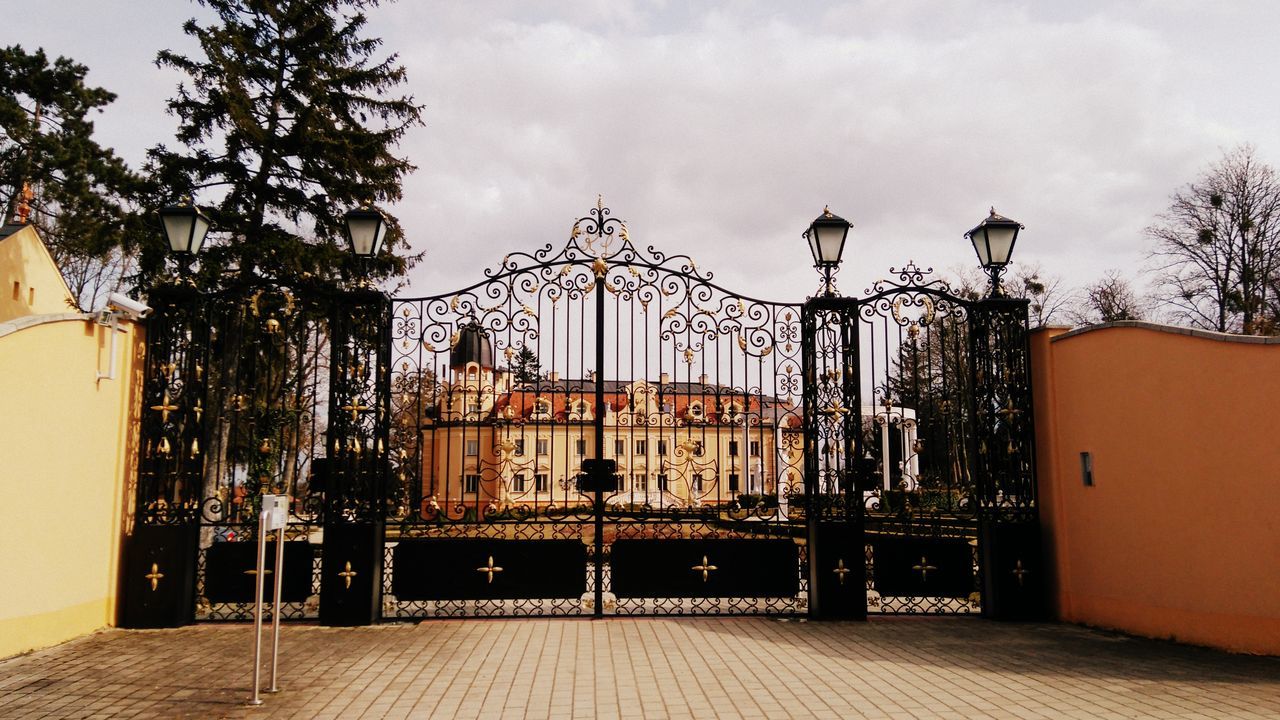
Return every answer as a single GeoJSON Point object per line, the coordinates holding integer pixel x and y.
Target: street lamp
{"type": "Point", "coordinates": [993, 240]}
{"type": "Point", "coordinates": [366, 228]}
{"type": "Point", "coordinates": [185, 227]}
{"type": "Point", "coordinates": [826, 236]}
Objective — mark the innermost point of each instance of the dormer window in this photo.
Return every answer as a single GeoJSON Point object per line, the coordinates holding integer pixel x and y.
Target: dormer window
{"type": "Point", "coordinates": [579, 410]}
{"type": "Point", "coordinates": [542, 408]}
{"type": "Point", "coordinates": [694, 412]}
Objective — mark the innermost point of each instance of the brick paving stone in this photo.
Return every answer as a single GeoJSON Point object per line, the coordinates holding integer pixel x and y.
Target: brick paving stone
{"type": "Point", "coordinates": [628, 668]}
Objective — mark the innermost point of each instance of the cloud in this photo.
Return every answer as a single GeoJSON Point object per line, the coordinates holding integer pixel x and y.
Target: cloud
{"type": "Point", "coordinates": [721, 130]}
{"type": "Point", "coordinates": [724, 135]}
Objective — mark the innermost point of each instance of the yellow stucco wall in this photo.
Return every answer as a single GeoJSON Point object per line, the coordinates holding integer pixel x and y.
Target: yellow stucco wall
{"type": "Point", "coordinates": [66, 458]}
{"type": "Point", "coordinates": [30, 283]}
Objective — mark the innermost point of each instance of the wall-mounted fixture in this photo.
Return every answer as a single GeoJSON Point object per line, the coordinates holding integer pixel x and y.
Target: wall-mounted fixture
{"type": "Point", "coordinates": [1086, 469]}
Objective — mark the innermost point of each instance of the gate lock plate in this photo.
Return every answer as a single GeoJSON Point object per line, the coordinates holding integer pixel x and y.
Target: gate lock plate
{"type": "Point", "coordinates": [598, 475]}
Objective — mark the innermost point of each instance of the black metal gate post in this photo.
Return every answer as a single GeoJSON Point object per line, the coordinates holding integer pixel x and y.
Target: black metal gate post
{"type": "Point", "coordinates": [1013, 577]}
{"type": "Point", "coordinates": [159, 584]}
{"type": "Point", "coordinates": [358, 460]}
{"type": "Point", "coordinates": [833, 511]}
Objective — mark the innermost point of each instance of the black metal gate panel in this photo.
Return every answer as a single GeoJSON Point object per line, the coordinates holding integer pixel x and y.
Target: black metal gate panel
{"type": "Point", "coordinates": [917, 408]}
{"type": "Point", "coordinates": [594, 429]}
{"type": "Point", "coordinates": [256, 389]}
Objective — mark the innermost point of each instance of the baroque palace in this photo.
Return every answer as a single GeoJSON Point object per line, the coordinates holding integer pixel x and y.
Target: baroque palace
{"type": "Point", "coordinates": [492, 440]}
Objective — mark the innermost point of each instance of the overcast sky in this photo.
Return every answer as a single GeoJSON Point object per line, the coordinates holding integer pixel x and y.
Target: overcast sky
{"type": "Point", "coordinates": [721, 129]}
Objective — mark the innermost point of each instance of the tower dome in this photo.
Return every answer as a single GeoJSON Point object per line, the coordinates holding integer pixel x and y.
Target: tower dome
{"type": "Point", "coordinates": [473, 347]}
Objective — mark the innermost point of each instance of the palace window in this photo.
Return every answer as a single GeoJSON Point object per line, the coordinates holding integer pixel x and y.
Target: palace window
{"type": "Point", "coordinates": [697, 483]}
{"type": "Point", "coordinates": [473, 448]}
{"type": "Point", "coordinates": [517, 483]}
{"type": "Point", "coordinates": [699, 448]}
{"type": "Point", "coordinates": [733, 447]}
{"type": "Point", "coordinates": [580, 446]}
{"type": "Point", "coordinates": [641, 446]}
{"type": "Point", "coordinates": [733, 482]}
{"type": "Point", "coordinates": [619, 447]}
{"type": "Point", "coordinates": [542, 408]}
{"type": "Point", "coordinates": [662, 482]}
{"type": "Point", "coordinates": [540, 482]}
{"type": "Point", "coordinates": [755, 448]}
{"type": "Point", "coordinates": [473, 407]}
{"type": "Point", "coordinates": [662, 448]}
{"type": "Point", "coordinates": [542, 446]}
{"type": "Point", "coordinates": [520, 446]}
{"type": "Point", "coordinates": [695, 410]}
{"type": "Point", "coordinates": [471, 484]}
{"type": "Point", "coordinates": [640, 482]}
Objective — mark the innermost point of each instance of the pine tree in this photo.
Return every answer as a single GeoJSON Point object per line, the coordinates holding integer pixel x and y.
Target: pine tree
{"type": "Point", "coordinates": [525, 366]}
{"type": "Point", "coordinates": [286, 121]}
{"type": "Point", "coordinates": [79, 194]}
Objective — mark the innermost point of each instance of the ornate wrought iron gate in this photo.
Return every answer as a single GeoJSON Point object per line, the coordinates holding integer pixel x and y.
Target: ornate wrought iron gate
{"type": "Point", "coordinates": [595, 429]}
{"type": "Point", "coordinates": [920, 443]}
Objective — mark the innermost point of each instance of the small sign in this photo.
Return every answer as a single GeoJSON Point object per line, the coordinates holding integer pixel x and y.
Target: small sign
{"type": "Point", "coordinates": [598, 475]}
{"type": "Point", "coordinates": [276, 509]}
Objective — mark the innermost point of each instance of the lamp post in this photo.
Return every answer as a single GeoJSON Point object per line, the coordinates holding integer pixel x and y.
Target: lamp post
{"type": "Point", "coordinates": [993, 240]}
{"type": "Point", "coordinates": [366, 229]}
{"type": "Point", "coordinates": [185, 227]}
{"type": "Point", "coordinates": [826, 236]}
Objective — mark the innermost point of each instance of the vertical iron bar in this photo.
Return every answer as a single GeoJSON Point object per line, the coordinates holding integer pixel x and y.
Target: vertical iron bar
{"type": "Point", "coordinates": [598, 610]}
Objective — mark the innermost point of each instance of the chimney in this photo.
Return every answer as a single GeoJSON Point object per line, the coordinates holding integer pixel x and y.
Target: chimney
{"type": "Point", "coordinates": [593, 376]}
{"type": "Point", "coordinates": [553, 376]}
{"type": "Point", "coordinates": [664, 378]}
{"type": "Point", "coordinates": [702, 378]}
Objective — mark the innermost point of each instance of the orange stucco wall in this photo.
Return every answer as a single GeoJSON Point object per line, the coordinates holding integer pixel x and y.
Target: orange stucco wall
{"type": "Point", "coordinates": [1179, 537]}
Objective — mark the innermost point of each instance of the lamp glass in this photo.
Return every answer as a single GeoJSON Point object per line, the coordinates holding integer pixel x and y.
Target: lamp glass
{"type": "Point", "coordinates": [979, 238]}
{"type": "Point", "coordinates": [829, 241]}
{"type": "Point", "coordinates": [999, 243]}
{"type": "Point", "coordinates": [366, 229]}
{"type": "Point", "coordinates": [177, 228]}
{"type": "Point", "coordinates": [199, 230]}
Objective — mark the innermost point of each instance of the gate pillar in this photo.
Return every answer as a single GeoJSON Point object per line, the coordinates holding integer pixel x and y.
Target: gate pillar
{"type": "Point", "coordinates": [1013, 577]}
{"type": "Point", "coordinates": [834, 517]}
{"type": "Point", "coordinates": [158, 586]}
{"type": "Point", "coordinates": [351, 573]}
{"type": "Point", "coordinates": [1013, 581]}
{"type": "Point", "coordinates": [837, 571]}
{"type": "Point", "coordinates": [356, 466]}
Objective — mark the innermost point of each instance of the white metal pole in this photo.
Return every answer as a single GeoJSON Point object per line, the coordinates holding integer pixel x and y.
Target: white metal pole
{"type": "Point", "coordinates": [257, 608]}
{"type": "Point", "coordinates": [275, 608]}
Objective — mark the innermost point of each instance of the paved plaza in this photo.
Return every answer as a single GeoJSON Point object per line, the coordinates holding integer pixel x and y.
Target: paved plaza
{"type": "Point", "coordinates": [644, 668]}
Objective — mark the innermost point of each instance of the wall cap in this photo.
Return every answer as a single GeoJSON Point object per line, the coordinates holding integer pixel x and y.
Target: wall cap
{"type": "Point", "coordinates": [22, 323]}
{"type": "Point", "coordinates": [1173, 330]}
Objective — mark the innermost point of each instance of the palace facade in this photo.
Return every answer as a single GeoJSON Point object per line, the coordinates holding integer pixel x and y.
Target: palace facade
{"type": "Point", "coordinates": [497, 442]}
